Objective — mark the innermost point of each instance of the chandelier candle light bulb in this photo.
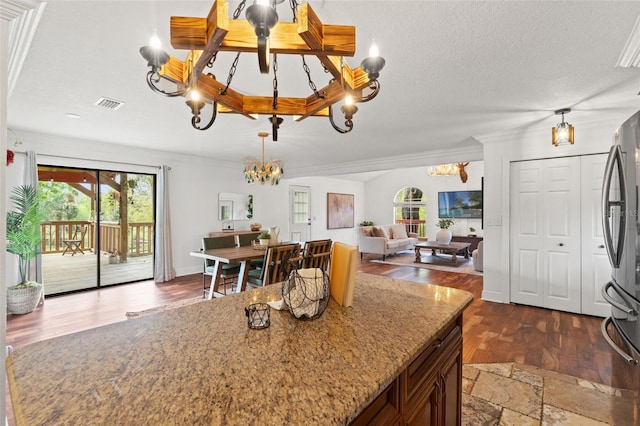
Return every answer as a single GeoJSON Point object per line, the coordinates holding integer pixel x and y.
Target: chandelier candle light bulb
{"type": "Point", "coordinates": [154, 41]}
{"type": "Point", "coordinates": [373, 51]}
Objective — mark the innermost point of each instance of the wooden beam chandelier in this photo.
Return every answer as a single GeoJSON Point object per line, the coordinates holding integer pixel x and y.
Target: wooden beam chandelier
{"type": "Point", "coordinates": [261, 33]}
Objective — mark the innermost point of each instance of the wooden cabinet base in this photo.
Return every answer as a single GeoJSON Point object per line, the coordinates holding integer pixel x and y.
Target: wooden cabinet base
{"type": "Point", "coordinates": [429, 391]}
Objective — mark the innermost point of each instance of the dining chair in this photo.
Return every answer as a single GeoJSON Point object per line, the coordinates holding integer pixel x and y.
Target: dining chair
{"type": "Point", "coordinates": [278, 262]}
{"type": "Point", "coordinates": [75, 243]}
{"type": "Point", "coordinates": [316, 254]}
{"type": "Point", "coordinates": [229, 271]}
{"type": "Point", "coordinates": [247, 239]}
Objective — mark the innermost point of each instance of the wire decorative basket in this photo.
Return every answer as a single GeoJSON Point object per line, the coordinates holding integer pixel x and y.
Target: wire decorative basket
{"type": "Point", "coordinates": [306, 293]}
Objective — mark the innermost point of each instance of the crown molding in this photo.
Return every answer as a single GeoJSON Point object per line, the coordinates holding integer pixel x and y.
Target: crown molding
{"type": "Point", "coordinates": [630, 55]}
{"type": "Point", "coordinates": [11, 9]}
{"type": "Point", "coordinates": [470, 153]}
{"type": "Point", "coordinates": [22, 29]}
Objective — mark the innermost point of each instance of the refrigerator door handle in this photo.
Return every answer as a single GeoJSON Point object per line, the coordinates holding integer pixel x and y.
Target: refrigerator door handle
{"type": "Point", "coordinates": [630, 359]}
{"type": "Point", "coordinates": [614, 159]}
{"type": "Point", "coordinates": [627, 309]}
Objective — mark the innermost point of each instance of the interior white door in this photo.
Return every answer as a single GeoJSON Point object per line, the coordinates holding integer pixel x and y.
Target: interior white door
{"type": "Point", "coordinates": [526, 234]}
{"type": "Point", "coordinates": [545, 233]}
{"type": "Point", "coordinates": [299, 213]}
{"type": "Point", "coordinates": [562, 229]}
{"type": "Point", "coordinates": [596, 269]}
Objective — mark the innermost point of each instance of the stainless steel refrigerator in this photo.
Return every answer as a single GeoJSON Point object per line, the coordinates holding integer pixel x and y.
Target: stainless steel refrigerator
{"type": "Point", "coordinates": [622, 239]}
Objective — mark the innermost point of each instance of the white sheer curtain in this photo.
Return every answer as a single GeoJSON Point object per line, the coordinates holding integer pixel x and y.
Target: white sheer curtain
{"type": "Point", "coordinates": [163, 268]}
{"type": "Point", "coordinates": [31, 178]}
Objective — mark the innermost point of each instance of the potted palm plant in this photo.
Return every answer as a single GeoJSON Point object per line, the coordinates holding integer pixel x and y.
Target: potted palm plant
{"type": "Point", "coordinates": [23, 240]}
{"type": "Point", "coordinates": [444, 235]}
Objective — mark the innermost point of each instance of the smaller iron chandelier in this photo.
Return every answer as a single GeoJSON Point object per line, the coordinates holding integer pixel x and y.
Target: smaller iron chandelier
{"type": "Point", "coordinates": [562, 134]}
{"type": "Point", "coordinates": [259, 171]}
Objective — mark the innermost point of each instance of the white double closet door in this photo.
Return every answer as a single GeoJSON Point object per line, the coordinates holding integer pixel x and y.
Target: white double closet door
{"type": "Point", "coordinates": [558, 259]}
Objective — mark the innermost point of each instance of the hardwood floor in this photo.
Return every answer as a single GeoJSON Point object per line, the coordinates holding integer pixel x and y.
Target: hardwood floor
{"type": "Point", "coordinates": [493, 332]}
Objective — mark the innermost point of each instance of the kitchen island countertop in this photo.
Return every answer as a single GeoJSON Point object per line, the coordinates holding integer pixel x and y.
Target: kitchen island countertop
{"type": "Point", "coordinates": [201, 364]}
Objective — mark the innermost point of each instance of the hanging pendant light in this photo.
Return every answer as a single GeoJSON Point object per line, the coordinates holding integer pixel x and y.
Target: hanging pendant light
{"type": "Point", "coordinates": [562, 133]}
{"type": "Point", "coordinates": [261, 171]}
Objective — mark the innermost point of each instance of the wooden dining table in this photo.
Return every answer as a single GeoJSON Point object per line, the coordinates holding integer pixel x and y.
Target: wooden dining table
{"type": "Point", "coordinates": [242, 255]}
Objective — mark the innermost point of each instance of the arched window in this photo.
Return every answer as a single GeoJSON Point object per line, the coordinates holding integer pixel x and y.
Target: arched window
{"type": "Point", "coordinates": [410, 208]}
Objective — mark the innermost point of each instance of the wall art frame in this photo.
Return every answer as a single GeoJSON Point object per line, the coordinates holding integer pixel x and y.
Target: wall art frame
{"type": "Point", "coordinates": [340, 210]}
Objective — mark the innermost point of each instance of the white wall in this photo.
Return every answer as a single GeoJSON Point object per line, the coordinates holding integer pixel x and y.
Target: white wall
{"type": "Point", "coordinates": [499, 152]}
{"type": "Point", "coordinates": [4, 65]}
{"type": "Point", "coordinates": [381, 191]}
{"type": "Point", "coordinates": [319, 189]}
{"type": "Point", "coordinates": [194, 186]}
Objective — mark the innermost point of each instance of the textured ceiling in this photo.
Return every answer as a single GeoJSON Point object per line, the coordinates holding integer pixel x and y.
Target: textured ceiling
{"type": "Point", "coordinates": [455, 71]}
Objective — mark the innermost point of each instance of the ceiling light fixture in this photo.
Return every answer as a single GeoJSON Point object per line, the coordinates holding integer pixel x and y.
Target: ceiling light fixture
{"type": "Point", "coordinates": [261, 33]}
{"type": "Point", "coordinates": [259, 171]}
{"type": "Point", "coordinates": [443, 170]}
{"type": "Point", "coordinates": [562, 133]}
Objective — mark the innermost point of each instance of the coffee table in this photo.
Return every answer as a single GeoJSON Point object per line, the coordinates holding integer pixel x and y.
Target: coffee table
{"type": "Point", "coordinates": [451, 248]}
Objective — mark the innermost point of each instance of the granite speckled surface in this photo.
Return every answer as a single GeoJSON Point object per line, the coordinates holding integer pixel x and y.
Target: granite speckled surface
{"type": "Point", "coordinates": [201, 364]}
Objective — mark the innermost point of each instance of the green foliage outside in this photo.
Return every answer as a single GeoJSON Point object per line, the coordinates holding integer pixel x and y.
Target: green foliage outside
{"type": "Point", "coordinates": [410, 203]}
{"type": "Point", "coordinates": [59, 201]}
{"type": "Point", "coordinates": [62, 202]}
{"type": "Point", "coordinates": [140, 198]}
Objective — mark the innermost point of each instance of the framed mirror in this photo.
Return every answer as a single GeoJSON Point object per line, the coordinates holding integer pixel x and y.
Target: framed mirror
{"type": "Point", "coordinates": [233, 206]}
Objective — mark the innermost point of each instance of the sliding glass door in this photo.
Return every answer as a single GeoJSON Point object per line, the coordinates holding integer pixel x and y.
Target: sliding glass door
{"type": "Point", "coordinates": [98, 228]}
{"type": "Point", "coordinates": [126, 227]}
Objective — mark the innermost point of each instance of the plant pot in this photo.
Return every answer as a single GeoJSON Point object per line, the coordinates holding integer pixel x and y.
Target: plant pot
{"type": "Point", "coordinates": [444, 236]}
{"type": "Point", "coordinates": [23, 300]}
{"type": "Point", "coordinates": [265, 242]}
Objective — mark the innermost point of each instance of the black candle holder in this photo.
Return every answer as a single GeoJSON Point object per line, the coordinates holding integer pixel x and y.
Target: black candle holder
{"type": "Point", "coordinates": [258, 315]}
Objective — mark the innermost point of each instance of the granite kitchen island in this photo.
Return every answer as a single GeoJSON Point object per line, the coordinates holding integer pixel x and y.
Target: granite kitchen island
{"type": "Point", "coordinates": [389, 357]}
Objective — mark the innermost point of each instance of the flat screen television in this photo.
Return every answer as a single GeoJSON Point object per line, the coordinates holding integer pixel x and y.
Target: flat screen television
{"type": "Point", "coordinates": [460, 204]}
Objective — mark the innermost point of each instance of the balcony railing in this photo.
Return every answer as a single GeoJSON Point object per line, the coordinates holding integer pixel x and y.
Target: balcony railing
{"type": "Point", "coordinates": [139, 237]}
{"type": "Point", "coordinates": [414, 225]}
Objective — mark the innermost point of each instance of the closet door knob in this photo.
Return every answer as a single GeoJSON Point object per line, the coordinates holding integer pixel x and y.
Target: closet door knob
{"type": "Point", "coordinates": [601, 246]}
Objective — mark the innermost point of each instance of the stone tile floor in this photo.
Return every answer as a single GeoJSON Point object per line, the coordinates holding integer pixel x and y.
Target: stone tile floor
{"type": "Point", "coordinates": [514, 394]}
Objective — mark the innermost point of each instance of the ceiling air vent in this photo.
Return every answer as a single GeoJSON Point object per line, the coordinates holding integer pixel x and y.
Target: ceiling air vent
{"type": "Point", "coordinates": [107, 103]}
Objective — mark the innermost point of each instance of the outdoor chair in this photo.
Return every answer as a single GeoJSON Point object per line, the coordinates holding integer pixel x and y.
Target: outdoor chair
{"type": "Point", "coordinates": [74, 245]}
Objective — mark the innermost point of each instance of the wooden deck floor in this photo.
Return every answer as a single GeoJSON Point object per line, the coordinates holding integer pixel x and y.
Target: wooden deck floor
{"type": "Point", "coordinates": [62, 274]}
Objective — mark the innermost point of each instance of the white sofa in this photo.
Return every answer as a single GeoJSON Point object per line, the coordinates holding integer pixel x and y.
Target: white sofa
{"type": "Point", "coordinates": [477, 257]}
{"type": "Point", "coordinates": [385, 239]}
